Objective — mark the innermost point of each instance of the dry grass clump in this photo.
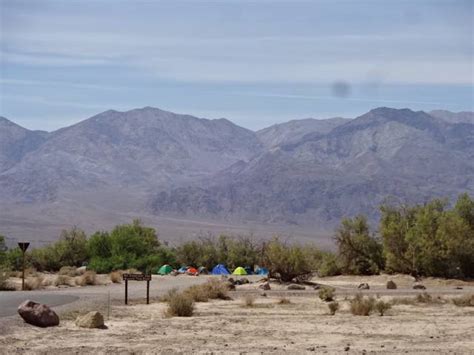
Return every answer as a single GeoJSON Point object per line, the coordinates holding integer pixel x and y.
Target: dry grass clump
{"type": "Point", "coordinates": [333, 307]}
{"type": "Point", "coordinates": [327, 294]}
{"type": "Point", "coordinates": [69, 271]}
{"type": "Point", "coordinates": [464, 301]}
{"type": "Point", "coordinates": [88, 278]}
{"type": "Point", "coordinates": [116, 277]}
{"type": "Point", "coordinates": [4, 284]}
{"type": "Point", "coordinates": [217, 290]}
{"type": "Point", "coordinates": [33, 283]}
{"type": "Point", "coordinates": [65, 280]}
{"type": "Point", "coordinates": [168, 296]}
{"type": "Point", "coordinates": [284, 300]}
{"type": "Point", "coordinates": [199, 293]}
{"type": "Point", "coordinates": [427, 298]}
{"type": "Point", "coordinates": [249, 300]}
{"type": "Point", "coordinates": [362, 306]}
{"type": "Point", "coordinates": [381, 307]}
{"type": "Point", "coordinates": [181, 305]}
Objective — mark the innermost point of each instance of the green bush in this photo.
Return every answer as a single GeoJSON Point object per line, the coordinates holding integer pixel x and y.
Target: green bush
{"type": "Point", "coordinates": [359, 251]}
{"type": "Point", "coordinates": [288, 262]}
{"type": "Point", "coordinates": [326, 294]}
{"type": "Point", "coordinates": [180, 305]}
{"type": "Point", "coordinates": [329, 265]}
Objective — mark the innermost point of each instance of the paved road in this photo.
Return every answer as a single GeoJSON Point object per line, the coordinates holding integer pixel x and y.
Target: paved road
{"type": "Point", "coordinates": [9, 300]}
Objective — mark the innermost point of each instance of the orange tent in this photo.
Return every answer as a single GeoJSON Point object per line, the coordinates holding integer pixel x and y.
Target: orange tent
{"type": "Point", "coordinates": [192, 271]}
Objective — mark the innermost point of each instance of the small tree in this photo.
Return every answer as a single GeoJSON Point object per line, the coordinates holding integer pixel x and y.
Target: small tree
{"type": "Point", "coordinates": [360, 252]}
{"type": "Point", "coordinates": [286, 262]}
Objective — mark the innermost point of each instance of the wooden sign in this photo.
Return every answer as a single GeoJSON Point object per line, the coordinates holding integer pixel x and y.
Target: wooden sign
{"type": "Point", "coordinates": [137, 277]}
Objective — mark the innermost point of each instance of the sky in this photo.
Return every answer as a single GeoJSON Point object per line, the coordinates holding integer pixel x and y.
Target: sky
{"type": "Point", "coordinates": [256, 63]}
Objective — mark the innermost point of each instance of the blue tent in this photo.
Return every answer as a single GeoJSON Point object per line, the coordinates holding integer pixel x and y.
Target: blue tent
{"type": "Point", "coordinates": [262, 271]}
{"type": "Point", "coordinates": [182, 269]}
{"type": "Point", "coordinates": [220, 270]}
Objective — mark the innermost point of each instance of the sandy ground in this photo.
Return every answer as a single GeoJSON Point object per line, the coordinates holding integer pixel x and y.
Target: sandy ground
{"type": "Point", "coordinates": [223, 327]}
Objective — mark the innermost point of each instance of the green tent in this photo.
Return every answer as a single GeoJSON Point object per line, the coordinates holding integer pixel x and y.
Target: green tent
{"type": "Point", "coordinates": [239, 271]}
{"type": "Point", "coordinates": [165, 270]}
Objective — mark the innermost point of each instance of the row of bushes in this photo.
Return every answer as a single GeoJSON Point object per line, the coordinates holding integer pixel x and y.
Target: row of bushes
{"type": "Point", "coordinates": [423, 240]}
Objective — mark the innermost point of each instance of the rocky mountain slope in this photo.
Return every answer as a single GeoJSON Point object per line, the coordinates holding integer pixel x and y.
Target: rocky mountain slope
{"type": "Point", "coordinates": [304, 173]}
{"type": "Point", "coordinates": [319, 178]}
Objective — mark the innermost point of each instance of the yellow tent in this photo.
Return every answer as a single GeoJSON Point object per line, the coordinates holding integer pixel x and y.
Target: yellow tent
{"type": "Point", "coordinates": [239, 271]}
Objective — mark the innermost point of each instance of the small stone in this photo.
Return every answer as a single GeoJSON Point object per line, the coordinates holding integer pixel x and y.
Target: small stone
{"type": "Point", "coordinates": [311, 348]}
{"type": "Point", "coordinates": [265, 286]}
{"type": "Point", "coordinates": [363, 286]}
{"type": "Point", "coordinates": [91, 320]}
{"type": "Point", "coordinates": [419, 287]}
{"type": "Point", "coordinates": [295, 287]}
{"type": "Point", "coordinates": [347, 348]}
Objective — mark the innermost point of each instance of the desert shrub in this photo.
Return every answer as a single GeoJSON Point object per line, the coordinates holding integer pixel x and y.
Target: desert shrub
{"type": "Point", "coordinates": [33, 283]}
{"type": "Point", "coordinates": [381, 307]}
{"type": "Point", "coordinates": [333, 307]}
{"type": "Point", "coordinates": [362, 306]}
{"type": "Point", "coordinates": [284, 300]}
{"type": "Point", "coordinates": [180, 305]}
{"type": "Point", "coordinates": [430, 239]}
{"type": "Point", "coordinates": [169, 295]}
{"type": "Point", "coordinates": [116, 277]}
{"type": "Point", "coordinates": [216, 289]}
{"type": "Point", "coordinates": [88, 278]}
{"type": "Point", "coordinates": [329, 265]}
{"type": "Point", "coordinates": [359, 251]}
{"type": "Point", "coordinates": [424, 298]}
{"type": "Point", "coordinates": [69, 271]}
{"type": "Point", "coordinates": [249, 300]}
{"type": "Point", "coordinates": [127, 246]}
{"type": "Point", "coordinates": [326, 294]}
{"type": "Point", "coordinates": [464, 301]}
{"type": "Point", "coordinates": [198, 293]}
{"type": "Point", "coordinates": [4, 275]}
{"type": "Point", "coordinates": [64, 280]}
{"type": "Point", "coordinates": [288, 262]}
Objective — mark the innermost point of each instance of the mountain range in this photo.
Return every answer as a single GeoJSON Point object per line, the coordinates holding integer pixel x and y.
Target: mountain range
{"type": "Point", "coordinates": [183, 174]}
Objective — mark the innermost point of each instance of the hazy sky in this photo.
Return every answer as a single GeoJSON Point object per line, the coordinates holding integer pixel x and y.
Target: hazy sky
{"type": "Point", "coordinates": [254, 62]}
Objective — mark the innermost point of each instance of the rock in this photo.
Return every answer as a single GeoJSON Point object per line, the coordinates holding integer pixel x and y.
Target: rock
{"type": "Point", "coordinates": [265, 286]}
{"type": "Point", "coordinates": [231, 280]}
{"type": "Point", "coordinates": [391, 285]}
{"type": "Point", "coordinates": [295, 287]}
{"type": "Point", "coordinates": [244, 281]}
{"type": "Point", "coordinates": [38, 314]}
{"type": "Point", "coordinates": [419, 287]}
{"type": "Point", "coordinates": [347, 348]}
{"type": "Point", "coordinates": [364, 286]}
{"type": "Point", "coordinates": [316, 287]}
{"type": "Point", "coordinates": [230, 286]}
{"type": "Point", "coordinates": [263, 294]}
{"type": "Point", "coordinates": [90, 320]}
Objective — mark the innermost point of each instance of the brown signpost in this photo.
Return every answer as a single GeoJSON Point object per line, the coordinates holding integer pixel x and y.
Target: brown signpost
{"type": "Point", "coordinates": [137, 277]}
{"type": "Point", "coordinates": [23, 246]}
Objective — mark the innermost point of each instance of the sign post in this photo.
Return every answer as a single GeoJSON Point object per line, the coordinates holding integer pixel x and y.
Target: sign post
{"type": "Point", "coordinates": [23, 246]}
{"type": "Point", "coordinates": [137, 277]}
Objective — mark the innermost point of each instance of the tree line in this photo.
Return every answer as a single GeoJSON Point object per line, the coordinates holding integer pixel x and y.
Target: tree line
{"type": "Point", "coordinates": [430, 239]}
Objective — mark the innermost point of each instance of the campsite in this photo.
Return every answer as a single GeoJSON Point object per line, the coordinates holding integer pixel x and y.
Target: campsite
{"type": "Point", "coordinates": [254, 320]}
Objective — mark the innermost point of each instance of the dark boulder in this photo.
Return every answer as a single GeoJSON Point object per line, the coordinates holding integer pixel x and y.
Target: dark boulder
{"type": "Point", "coordinates": [38, 314]}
